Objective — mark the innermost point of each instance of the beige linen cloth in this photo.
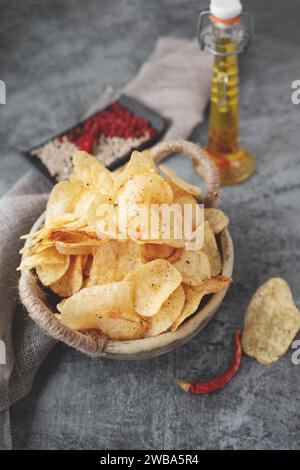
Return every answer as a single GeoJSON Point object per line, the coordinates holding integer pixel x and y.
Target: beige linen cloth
{"type": "Point", "coordinates": [175, 81]}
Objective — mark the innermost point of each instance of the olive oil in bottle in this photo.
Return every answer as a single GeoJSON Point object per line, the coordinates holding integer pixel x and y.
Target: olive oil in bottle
{"type": "Point", "coordinates": [225, 38]}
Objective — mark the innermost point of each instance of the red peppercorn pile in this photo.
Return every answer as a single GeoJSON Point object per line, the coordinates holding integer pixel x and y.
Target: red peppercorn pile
{"type": "Point", "coordinates": [116, 121]}
{"type": "Point", "coordinates": [108, 135]}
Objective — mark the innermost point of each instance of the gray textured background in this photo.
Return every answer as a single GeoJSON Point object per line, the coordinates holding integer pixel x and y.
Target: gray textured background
{"type": "Point", "coordinates": [56, 58]}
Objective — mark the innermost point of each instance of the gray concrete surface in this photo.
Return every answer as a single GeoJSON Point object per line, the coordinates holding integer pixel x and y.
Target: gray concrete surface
{"type": "Point", "coordinates": [56, 58]}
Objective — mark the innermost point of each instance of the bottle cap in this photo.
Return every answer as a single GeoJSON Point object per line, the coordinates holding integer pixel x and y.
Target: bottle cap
{"type": "Point", "coordinates": [225, 9]}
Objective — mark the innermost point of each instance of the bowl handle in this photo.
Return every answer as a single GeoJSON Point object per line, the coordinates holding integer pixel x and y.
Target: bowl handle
{"type": "Point", "coordinates": [199, 157]}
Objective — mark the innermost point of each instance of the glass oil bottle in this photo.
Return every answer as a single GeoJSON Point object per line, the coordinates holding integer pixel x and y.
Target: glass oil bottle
{"type": "Point", "coordinates": [226, 36]}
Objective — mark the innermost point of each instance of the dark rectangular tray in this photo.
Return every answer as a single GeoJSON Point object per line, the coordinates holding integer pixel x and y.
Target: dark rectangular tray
{"type": "Point", "coordinates": [159, 123]}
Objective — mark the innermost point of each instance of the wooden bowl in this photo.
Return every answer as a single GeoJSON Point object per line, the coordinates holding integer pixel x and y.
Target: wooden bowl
{"type": "Point", "coordinates": [39, 307]}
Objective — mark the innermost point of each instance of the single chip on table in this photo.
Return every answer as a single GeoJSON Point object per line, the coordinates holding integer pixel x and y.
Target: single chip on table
{"type": "Point", "coordinates": [153, 284]}
{"type": "Point", "coordinates": [272, 321]}
{"type": "Point", "coordinates": [216, 218]}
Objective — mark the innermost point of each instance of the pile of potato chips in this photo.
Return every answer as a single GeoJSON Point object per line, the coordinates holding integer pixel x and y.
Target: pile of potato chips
{"type": "Point", "coordinates": [124, 288]}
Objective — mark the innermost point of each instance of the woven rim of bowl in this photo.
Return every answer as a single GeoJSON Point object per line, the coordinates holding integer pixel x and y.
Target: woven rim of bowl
{"type": "Point", "coordinates": [96, 345]}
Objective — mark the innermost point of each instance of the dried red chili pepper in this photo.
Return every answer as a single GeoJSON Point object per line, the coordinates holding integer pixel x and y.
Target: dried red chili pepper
{"type": "Point", "coordinates": [220, 381]}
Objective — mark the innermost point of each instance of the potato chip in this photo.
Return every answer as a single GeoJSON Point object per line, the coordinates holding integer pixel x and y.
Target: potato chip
{"type": "Point", "coordinates": [93, 173]}
{"type": "Point", "coordinates": [175, 256]}
{"type": "Point", "coordinates": [122, 327]}
{"type": "Point", "coordinates": [71, 281]}
{"type": "Point", "coordinates": [113, 260]}
{"type": "Point", "coordinates": [66, 235]}
{"type": "Point", "coordinates": [39, 241]}
{"type": "Point", "coordinates": [73, 205]}
{"type": "Point", "coordinates": [87, 266]}
{"type": "Point", "coordinates": [172, 226]}
{"type": "Point", "coordinates": [140, 163]}
{"type": "Point", "coordinates": [153, 284]}
{"type": "Point", "coordinates": [211, 250]}
{"type": "Point", "coordinates": [118, 327]}
{"type": "Point", "coordinates": [84, 259]}
{"type": "Point", "coordinates": [48, 256]}
{"type": "Point", "coordinates": [216, 218]}
{"type": "Point", "coordinates": [193, 266]}
{"type": "Point", "coordinates": [152, 251]}
{"type": "Point", "coordinates": [48, 273]}
{"type": "Point", "coordinates": [99, 208]}
{"type": "Point", "coordinates": [216, 284]}
{"type": "Point", "coordinates": [189, 188]}
{"type": "Point", "coordinates": [168, 313]}
{"type": "Point", "coordinates": [135, 202]}
{"type": "Point", "coordinates": [183, 198]}
{"type": "Point", "coordinates": [88, 247]}
{"type": "Point", "coordinates": [63, 200]}
{"type": "Point", "coordinates": [39, 247]}
{"type": "Point", "coordinates": [194, 295]}
{"type": "Point", "coordinates": [144, 189]}
{"type": "Point", "coordinates": [71, 221]}
{"type": "Point", "coordinates": [83, 310]}
{"type": "Point", "coordinates": [272, 321]}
